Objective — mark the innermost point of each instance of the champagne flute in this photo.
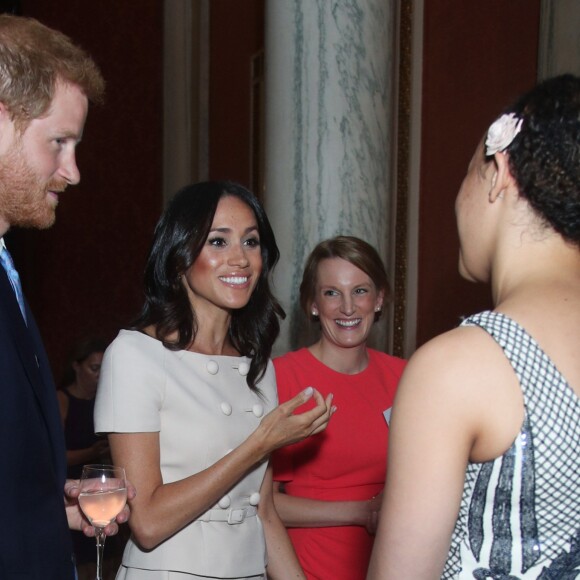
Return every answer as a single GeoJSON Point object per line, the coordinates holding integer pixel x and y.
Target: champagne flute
{"type": "Point", "coordinates": [103, 493]}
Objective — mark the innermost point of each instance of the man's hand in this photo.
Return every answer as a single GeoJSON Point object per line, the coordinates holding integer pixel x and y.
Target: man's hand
{"type": "Point", "coordinates": [76, 518]}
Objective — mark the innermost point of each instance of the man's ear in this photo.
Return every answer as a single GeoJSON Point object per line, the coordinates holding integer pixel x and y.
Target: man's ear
{"type": "Point", "coordinates": [5, 116]}
{"type": "Point", "coordinates": [501, 178]}
{"type": "Point", "coordinates": [7, 128]}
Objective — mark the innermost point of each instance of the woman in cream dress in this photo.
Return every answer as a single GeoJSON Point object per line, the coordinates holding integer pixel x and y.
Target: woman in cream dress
{"type": "Point", "coordinates": [188, 397]}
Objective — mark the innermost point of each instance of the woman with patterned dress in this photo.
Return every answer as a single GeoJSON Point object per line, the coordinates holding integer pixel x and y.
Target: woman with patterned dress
{"type": "Point", "coordinates": [332, 482]}
{"type": "Point", "coordinates": [188, 397]}
{"type": "Point", "coordinates": [484, 461]}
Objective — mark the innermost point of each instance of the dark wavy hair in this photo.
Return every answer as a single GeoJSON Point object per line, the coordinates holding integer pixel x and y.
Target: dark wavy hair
{"type": "Point", "coordinates": [177, 242]}
{"type": "Point", "coordinates": [544, 157]}
{"type": "Point", "coordinates": [354, 250]}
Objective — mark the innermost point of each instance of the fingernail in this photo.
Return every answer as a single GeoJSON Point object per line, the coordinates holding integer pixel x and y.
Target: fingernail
{"type": "Point", "coordinates": [334, 409]}
{"type": "Point", "coordinates": [308, 391]}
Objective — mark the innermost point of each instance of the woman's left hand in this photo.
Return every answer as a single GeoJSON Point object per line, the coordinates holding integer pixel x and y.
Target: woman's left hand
{"type": "Point", "coordinates": [282, 427]}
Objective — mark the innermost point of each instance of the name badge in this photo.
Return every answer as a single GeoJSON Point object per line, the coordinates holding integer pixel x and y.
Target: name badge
{"type": "Point", "coordinates": [387, 416]}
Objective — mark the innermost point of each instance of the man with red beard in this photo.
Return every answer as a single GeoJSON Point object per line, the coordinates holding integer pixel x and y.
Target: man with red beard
{"type": "Point", "coordinates": [46, 83]}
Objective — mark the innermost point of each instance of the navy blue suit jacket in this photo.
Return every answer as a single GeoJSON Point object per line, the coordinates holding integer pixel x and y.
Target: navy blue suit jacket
{"type": "Point", "coordinates": [34, 537]}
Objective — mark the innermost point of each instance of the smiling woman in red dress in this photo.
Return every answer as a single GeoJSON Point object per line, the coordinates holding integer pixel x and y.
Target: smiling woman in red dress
{"type": "Point", "coordinates": [327, 489]}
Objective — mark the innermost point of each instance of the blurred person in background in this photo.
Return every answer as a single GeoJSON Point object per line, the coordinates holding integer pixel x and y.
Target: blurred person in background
{"type": "Point", "coordinates": [76, 398]}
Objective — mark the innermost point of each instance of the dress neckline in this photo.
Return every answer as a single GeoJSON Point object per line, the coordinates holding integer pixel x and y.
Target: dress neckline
{"type": "Point", "coordinates": [319, 363]}
{"type": "Point", "coordinates": [183, 352]}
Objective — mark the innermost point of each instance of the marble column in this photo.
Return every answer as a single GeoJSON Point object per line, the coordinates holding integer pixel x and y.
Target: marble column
{"type": "Point", "coordinates": [329, 136]}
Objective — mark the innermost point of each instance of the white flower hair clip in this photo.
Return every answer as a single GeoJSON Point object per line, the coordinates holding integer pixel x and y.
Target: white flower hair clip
{"type": "Point", "coordinates": [501, 133]}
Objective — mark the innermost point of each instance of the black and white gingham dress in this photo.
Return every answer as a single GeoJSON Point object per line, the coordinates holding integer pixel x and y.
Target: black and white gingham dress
{"type": "Point", "coordinates": [520, 514]}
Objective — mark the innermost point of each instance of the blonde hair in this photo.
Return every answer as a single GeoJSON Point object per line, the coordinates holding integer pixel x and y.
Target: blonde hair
{"type": "Point", "coordinates": [33, 58]}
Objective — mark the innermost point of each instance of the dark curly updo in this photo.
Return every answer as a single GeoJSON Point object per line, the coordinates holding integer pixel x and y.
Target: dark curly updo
{"type": "Point", "coordinates": [544, 157]}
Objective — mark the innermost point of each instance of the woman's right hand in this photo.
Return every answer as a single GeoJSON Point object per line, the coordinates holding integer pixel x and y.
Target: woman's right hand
{"type": "Point", "coordinates": [282, 427]}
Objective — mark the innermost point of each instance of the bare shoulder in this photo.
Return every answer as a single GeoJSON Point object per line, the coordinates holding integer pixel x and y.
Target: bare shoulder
{"type": "Point", "coordinates": [455, 355]}
{"type": "Point", "coordinates": [463, 378]}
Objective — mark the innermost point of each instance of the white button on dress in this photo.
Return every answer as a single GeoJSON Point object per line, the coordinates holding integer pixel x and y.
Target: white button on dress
{"type": "Point", "coordinates": [244, 368]}
{"type": "Point", "coordinates": [225, 502]}
{"type": "Point", "coordinates": [212, 367]}
{"type": "Point", "coordinates": [226, 408]}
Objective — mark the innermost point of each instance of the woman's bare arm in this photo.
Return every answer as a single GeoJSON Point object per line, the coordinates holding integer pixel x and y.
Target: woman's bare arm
{"type": "Point", "coordinates": [160, 509]}
{"type": "Point", "coordinates": [302, 512]}
{"type": "Point", "coordinates": [282, 560]}
{"type": "Point", "coordinates": [451, 404]}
